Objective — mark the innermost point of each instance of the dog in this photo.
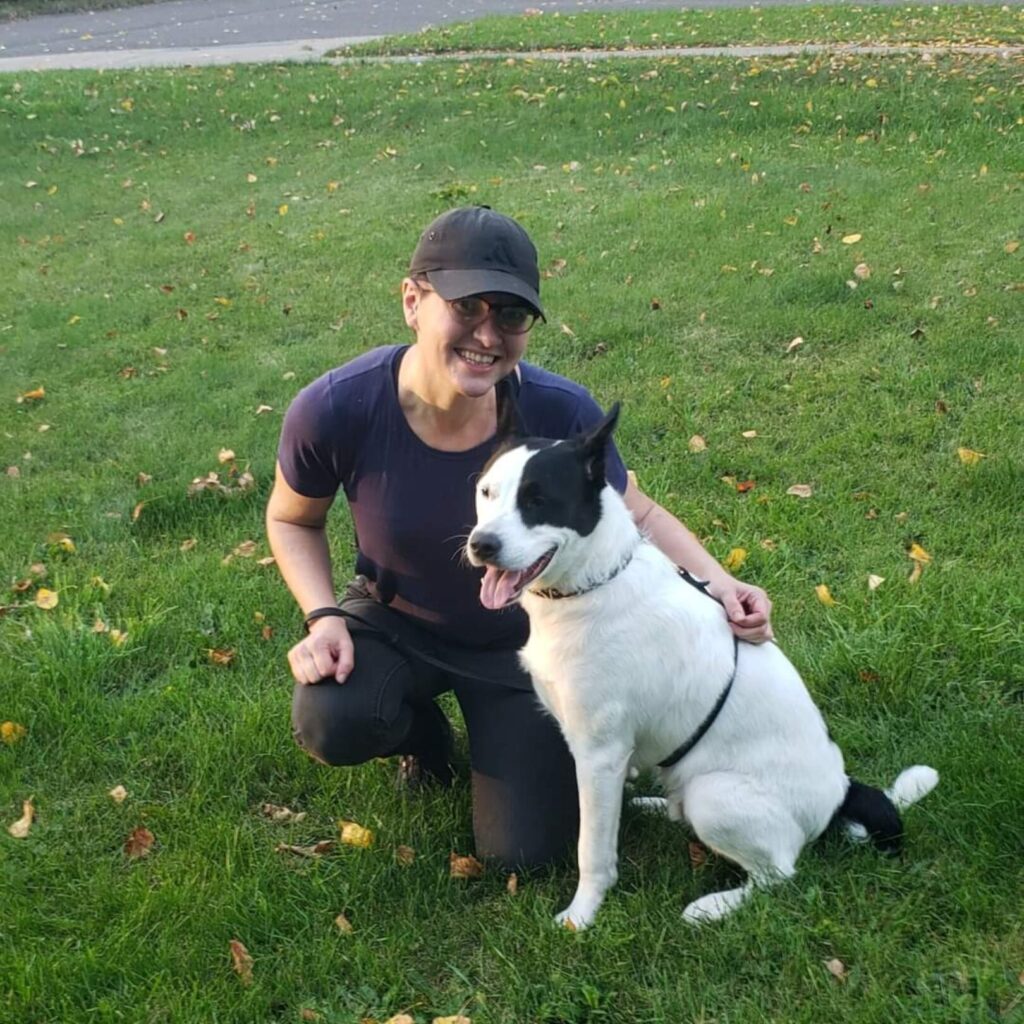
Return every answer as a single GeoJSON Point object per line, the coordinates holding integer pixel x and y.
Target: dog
{"type": "Point", "coordinates": [640, 668]}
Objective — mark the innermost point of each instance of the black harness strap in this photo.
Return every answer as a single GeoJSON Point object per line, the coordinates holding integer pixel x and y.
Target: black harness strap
{"type": "Point", "coordinates": [681, 751]}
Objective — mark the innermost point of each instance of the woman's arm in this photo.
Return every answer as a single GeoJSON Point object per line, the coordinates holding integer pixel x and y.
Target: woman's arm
{"type": "Point", "coordinates": [747, 606]}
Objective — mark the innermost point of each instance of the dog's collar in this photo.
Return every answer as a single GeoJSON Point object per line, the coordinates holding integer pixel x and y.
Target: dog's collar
{"type": "Point", "coordinates": [557, 594]}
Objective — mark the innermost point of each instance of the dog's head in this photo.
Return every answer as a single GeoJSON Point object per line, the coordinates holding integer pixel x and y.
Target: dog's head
{"type": "Point", "coordinates": [535, 501]}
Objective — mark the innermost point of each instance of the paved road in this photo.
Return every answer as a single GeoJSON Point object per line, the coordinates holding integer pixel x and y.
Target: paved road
{"type": "Point", "coordinates": [219, 31]}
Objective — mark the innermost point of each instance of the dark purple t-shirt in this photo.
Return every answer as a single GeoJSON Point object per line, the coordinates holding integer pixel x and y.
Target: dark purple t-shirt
{"type": "Point", "coordinates": [413, 506]}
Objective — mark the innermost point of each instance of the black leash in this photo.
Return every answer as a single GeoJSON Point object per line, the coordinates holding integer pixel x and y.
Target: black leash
{"type": "Point", "coordinates": [683, 749]}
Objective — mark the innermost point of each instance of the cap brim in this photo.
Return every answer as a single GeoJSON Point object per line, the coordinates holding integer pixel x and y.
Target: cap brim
{"type": "Point", "coordinates": [457, 284]}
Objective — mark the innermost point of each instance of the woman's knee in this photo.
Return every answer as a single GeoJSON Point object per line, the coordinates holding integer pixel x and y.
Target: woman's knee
{"type": "Point", "coordinates": [334, 732]}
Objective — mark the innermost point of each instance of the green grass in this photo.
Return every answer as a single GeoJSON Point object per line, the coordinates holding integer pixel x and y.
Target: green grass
{"type": "Point", "coordinates": [649, 178]}
{"type": "Point", "coordinates": [12, 9]}
{"type": "Point", "coordinates": [834, 23]}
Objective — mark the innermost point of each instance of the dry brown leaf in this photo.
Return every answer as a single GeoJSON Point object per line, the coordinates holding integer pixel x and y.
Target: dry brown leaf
{"type": "Point", "coordinates": [837, 969]}
{"type": "Point", "coordinates": [276, 812]}
{"type": "Point", "coordinates": [221, 656]}
{"type": "Point", "coordinates": [343, 924]}
{"type": "Point", "coordinates": [862, 271]}
{"type": "Point", "coordinates": [137, 511]}
{"type": "Point", "coordinates": [745, 485]}
{"type": "Point", "coordinates": [118, 794]}
{"type": "Point", "coordinates": [825, 595]}
{"type": "Point", "coordinates": [241, 961]}
{"type": "Point", "coordinates": [319, 849]}
{"type": "Point", "coordinates": [405, 855]}
{"type": "Point", "coordinates": [697, 444]}
{"type": "Point", "coordinates": [20, 828]}
{"type": "Point", "coordinates": [698, 854]}
{"type": "Point", "coordinates": [1011, 247]}
{"type": "Point", "coordinates": [512, 884]}
{"type": "Point", "coordinates": [353, 834]}
{"type": "Point", "coordinates": [464, 866]}
{"type": "Point", "coordinates": [246, 549]}
{"type": "Point", "coordinates": [139, 843]}
{"type": "Point", "coordinates": [12, 732]}
{"type": "Point", "coordinates": [188, 545]}
{"type": "Point", "coordinates": [801, 490]}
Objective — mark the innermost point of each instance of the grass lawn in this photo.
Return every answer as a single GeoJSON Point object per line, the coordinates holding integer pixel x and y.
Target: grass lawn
{"type": "Point", "coordinates": [184, 249]}
{"type": "Point", "coordinates": [833, 23]}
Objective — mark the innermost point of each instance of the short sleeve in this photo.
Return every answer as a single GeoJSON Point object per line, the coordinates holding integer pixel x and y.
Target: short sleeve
{"type": "Point", "coordinates": [589, 414]}
{"type": "Point", "coordinates": [312, 442]}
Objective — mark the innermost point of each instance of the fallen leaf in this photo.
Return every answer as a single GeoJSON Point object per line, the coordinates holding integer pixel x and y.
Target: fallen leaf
{"type": "Point", "coordinates": [969, 457]}
{"type": "Point", "coordinates": [801, 490]}
{"type": "Point", "coordinates": [837, 969]}
{"type": "Point", "coordinates": [405, 855]}
{"type": "Point", "coordinates": [118, 794]}
{"type": "Point", "coordinates": [735, 559]}
{"type": "Point", "coordinates": [353, 834]}
{"type": "Point", "coordinates": [745, 485]}
{"type": "Point", "coordinates": [464, 866]}
{"type": "Point", "coordinates": [457, 1019]}
{"type": "Point", "coordinates": [241, 961]}
{"type": "Point", "coordinates": [862, 271]}
{"type": "Point", "coordinates": [343, 924]}
{"type": "Point", "coordinates": [319, 849]}
{"type": "Point", "coordinates": [220, 656]}
{"type": "Point", "coordinates": [795, 343]}
{"type": "Point", "coordinates": [20, 828]}
{"type": "Point", "coordinates": [188, 545]}
{"type": "Point", "coordinates": [698, 854]}
{"type": "Point", "coordinates": [851, 239]}
{"type": "Point", "coordinates": [512, 884]}
{"type": "Point", "coordinates": [1011, 247]}
{"type": "Point", "coordinates": [190, 237]}
{"type": "Point", "coordinates": [915, 573]}
{"type": "Point", "coordinates": [307, 1014]}
{"type": "Point", "coordinates": [225, 455]}
{"type": "Point", "coordinates": [874, 582]}
{"type": "Point", "coordinates": [697, 444]}
{"type": "Point", "coordinates": [46, 599]}
{"type": "Point", "coordinates": [566, 329]}
{"type": "Point", "coordinates": [825, 595]}
{"type": "Point", "coordinates": [278, 813]}
{"type": "Point", "coordinates": [749, 434]}
{"type": "Point", "coordinates": [12, 732]}
{"type": "Point", "coordinates": [139, 843]}
{"type": "Point", "coordinates": [32, 396]}
{"type": "Point", "coordinates": [918, 553]}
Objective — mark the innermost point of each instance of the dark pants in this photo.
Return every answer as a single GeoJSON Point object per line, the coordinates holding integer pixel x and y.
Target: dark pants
{"type": "Point", "coordinates": [525, 805]}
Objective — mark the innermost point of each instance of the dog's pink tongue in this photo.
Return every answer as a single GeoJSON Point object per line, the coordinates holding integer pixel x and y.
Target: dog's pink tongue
{"type": "Point", "coordinates": [497, 587]}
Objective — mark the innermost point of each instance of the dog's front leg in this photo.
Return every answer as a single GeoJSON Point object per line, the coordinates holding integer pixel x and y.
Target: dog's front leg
{"type": "Point", "coordinates": [600, 775]}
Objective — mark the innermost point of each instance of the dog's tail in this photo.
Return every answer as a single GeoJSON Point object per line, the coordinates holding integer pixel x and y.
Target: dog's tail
{"type": "Point", "coordinates": [870, 813]}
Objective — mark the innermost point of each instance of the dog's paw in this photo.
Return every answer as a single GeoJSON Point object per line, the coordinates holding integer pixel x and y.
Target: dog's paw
{"type": "Point", "coordinates": [574, 919]}
{"type": "Point", "coordinates": [715, 906]}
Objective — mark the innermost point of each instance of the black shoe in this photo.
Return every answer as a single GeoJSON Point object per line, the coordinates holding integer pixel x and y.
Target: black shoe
{"type": "Point", "coordinates": [431, 766]}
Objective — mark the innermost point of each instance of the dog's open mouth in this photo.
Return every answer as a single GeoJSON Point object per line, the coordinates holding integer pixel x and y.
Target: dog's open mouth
{"type": "Point", "coordinates": [500, 587]}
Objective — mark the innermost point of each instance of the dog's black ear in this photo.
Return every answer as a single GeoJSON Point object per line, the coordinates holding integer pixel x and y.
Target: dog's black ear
{"type": "Point", "coordinates": [595, 443]}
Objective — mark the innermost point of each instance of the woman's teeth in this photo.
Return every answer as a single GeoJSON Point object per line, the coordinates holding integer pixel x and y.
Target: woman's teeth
{"type": "Point", "coordinates": [476, 358]}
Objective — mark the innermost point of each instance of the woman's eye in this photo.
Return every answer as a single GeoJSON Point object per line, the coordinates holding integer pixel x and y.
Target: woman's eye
{"type": "Point", "coordinates": [469, 307]}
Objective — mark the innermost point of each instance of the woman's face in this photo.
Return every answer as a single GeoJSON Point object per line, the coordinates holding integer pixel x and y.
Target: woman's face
{"type": "Point", "coordinates": [471, 356]}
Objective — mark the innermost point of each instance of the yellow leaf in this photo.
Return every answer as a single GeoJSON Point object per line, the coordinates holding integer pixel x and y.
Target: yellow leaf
{"type": "Point", "coordinates": [12, 732]}
{"type": "Point", "coordinates": [353, 834]}
{"type": "Point", "coordinates": [874, 582]}
{"type": "Point", "coordinates": [117, 638]}
{"type": "Point", "coordinates": [343, 924]}
{"type": "Point", "coordinates": [118, 794]}
{"type": "Point", "coordinates": [795, 343]}
{"type": "Point", "coordinates": [46, 599]}
{"type": "Point", "coordinates": [969, 457]}
{"type": "Point", "coordinates": [918, 553]}
{"type": "Point", "coordinates": [282, 209]}
{"type": "Point", "coordinates": [251, 178]}
{"type": "Point", "coordinates": [74, 320]}
{"type": "Point", "coordinates": [20, 828]}
{"type": "Point", "coordinates": [458, 1018]}
{"type": "Point", "coordinates": [851, 239]}
{"type": "Point", "coordinates": [735, 559]}
{"type": "Point", "coordinates": [915, 573]}
{"type": "Point", "coordinates": [749, 434]}
{"type": "Point", "coordinates": [222, 301]}
{"type": "Point", "coordinates": [1011, 247]}
{"type": "Point", "coordinates": [225, 455]}
{"type": "Point", "coordinates": [825, 595]}
{"type": "Point", "coordinates": [801, 490]}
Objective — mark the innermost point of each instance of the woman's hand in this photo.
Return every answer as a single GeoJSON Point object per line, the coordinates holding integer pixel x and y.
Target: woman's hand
{"type": "Point", "coordinates": [748, 608]}
{"type": "Point", "coordinates": [327, 651]}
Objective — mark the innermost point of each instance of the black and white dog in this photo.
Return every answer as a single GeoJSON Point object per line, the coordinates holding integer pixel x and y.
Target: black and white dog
{"type": "Point", "coordinates": [639, 667]}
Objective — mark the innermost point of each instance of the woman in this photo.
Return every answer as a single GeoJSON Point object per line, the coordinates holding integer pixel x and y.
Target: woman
{"type": "Point", "coordinates": [404, 431]}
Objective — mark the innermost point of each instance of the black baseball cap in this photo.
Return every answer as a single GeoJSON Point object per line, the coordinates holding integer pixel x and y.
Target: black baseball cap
{"type": "Point", "coordinates": [473, 249]}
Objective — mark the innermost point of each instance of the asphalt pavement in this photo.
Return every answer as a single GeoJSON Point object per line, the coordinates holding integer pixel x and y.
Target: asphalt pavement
{"type": "Point", "coordinates": [225, 31]}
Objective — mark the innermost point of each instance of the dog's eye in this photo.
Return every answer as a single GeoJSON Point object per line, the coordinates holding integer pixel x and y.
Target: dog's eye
{"type": "Point", "coordinates": [531, 497]}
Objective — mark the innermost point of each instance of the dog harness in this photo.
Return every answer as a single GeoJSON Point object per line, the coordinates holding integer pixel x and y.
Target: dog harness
{"type": "Point", "coordinates": [702, 585]}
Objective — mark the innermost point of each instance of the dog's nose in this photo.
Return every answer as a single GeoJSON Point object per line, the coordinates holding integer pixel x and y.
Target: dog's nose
{"type": "Point", "coordinates": [485, 546]}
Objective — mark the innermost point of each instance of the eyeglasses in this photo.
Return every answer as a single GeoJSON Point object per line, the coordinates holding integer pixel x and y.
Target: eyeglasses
{"type": "Point", "coordinates": [509, 318]}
